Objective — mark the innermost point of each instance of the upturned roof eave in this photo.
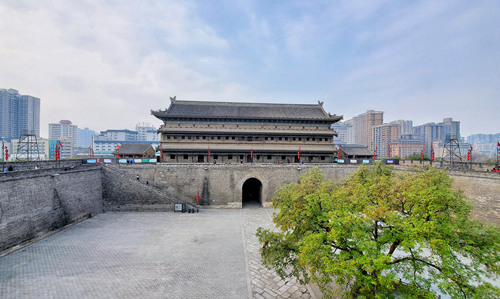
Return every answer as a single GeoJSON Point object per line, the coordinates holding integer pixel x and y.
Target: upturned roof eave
{"type": "Point", "coordinates": [161, 116]}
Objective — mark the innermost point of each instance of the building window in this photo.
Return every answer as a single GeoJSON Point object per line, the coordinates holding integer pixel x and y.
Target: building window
{"type": "Point", "coordinates": [216, 157]}
{"type": "Point", "coordinates": [189, 137]}
{"type": "Point", "coordinates": [175, 137]}
{"type": "Point", "coordinates": [230, 157]}
{"type": "Point", "coordinates": [183, 137]}
{"type": "Point", "coordinates": [197, 137]}
{"type": "Point", "coordinates": [212, 137]}
{"type": "Point", "coordinates": [172, 156]}
{"type": "Point", "coordinates": [269, 157]}
{"type": "Point", "coordinates": [241, 157]}
{"type": "Point", "coordinates": [227, 137]}
{"type": "Point", "coordinates": [266, 138]}
{"type": "Point", "coordinates": [185, 157]}
{"type": "Point", "coordinates": [322, 158]}
{"type": "Point", "coordinates": [280, 138]}
{"type": "Point", "coordinates": [314, 139]}
{"type": "Point", "coordinates": [204, 137]}
{"type": "Point", "coordinates": [250, 138]}
{"type": "Point", "coordinates": [218, 137]}
{"type": "Point", "coordinates": [168, 137]}
{"type": "Point", "coordinates": [293, 138]}
{"type": "Point", "coordinates": [272, 138]}
{"type": "Point", "coordinates": [286, 138]}
{"type": "Point", "coordinates": [258, 157]}
{"type": "Point", "coordinates": [307, 139]}
{"type": "Point", "coordinates": [320, 139]}
{"type": "Point", "coordinates": [232, 137]}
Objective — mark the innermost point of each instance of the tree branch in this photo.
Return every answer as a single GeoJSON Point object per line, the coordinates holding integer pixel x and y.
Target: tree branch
{"type": "Point", "coordinates": [409, 258]}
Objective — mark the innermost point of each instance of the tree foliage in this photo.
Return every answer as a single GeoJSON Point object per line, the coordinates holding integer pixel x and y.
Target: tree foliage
{"type": "Point", "coordinates": [416, 156]}
{"type": "Point", "coordinates": [379, 233]}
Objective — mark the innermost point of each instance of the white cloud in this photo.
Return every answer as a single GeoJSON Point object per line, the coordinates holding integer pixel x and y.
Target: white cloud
{"type": "Point", "coordinates": [106, 64]}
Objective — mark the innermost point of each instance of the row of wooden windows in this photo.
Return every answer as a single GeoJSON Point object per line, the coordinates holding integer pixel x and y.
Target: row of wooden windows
{"type": "Point", "coordinates": [241, 157]}
{"type": "Point", "coordinates": [320, 139]}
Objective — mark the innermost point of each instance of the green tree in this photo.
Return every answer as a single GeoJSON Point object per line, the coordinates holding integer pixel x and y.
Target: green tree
{"type": "Point", "coordinates": [416, 156]}
{"type": "Point", "coordinates": [378, 233]}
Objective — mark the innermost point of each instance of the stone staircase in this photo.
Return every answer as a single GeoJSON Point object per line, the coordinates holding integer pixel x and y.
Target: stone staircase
{"type": "Point", "coordinates": [124, 192]}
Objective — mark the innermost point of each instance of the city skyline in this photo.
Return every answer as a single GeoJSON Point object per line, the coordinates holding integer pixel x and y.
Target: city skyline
{"type": "Point", "coordinates": [105, 66]}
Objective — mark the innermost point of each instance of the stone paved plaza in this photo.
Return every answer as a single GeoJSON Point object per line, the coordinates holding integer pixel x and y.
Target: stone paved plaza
{"type": "Point", "coordinates": [211, 254]}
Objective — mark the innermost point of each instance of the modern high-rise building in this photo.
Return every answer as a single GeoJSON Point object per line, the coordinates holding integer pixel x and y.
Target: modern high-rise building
{"type": "Point", "coordinates": [146, 132]}
{"type": "Point", "coordinates": [65, 129]}
{"type": "Point", "coordinates": [406, 145]}
{"type": "Point", "coordinates": [85, 137]}
{"type": "Point", "coordinates": [406, 126]}
{"type": "Point", "coordinates": [363, 124]}
{"type": "Point", "coordinates": [117, 135]}
{"type": "Point", "coordinates": [431, 132]}
{"type": "Point", "coordinates": [19, 114]}
{"type": "Point", "coordinates": [383, 135]}
{"type": "Point", "coordinates": [344, 132]}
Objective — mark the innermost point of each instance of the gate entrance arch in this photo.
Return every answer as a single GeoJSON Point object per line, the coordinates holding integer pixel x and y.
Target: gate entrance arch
{"type": "Point", "coordinates": [251, 195]}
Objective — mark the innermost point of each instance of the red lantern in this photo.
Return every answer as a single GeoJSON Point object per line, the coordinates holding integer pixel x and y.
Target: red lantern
{"type": "Point", "coordinates": [421, 155]}
{"type": "Point", "coordinates": [468, 156]}
{"type": "Point", "coordinates": [432, 155]}
{"type": "Point", "coordinates": [6, 154]}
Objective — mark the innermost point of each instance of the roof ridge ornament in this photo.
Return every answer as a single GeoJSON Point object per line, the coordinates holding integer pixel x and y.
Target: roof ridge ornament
{"type": "Point", "coordinates": [320, 103]}
{"type": "Point", "coordinates": [172, 99]}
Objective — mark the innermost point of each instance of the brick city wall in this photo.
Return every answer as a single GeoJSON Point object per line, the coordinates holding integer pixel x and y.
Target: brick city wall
{"type": "Point", "coordinates": [37, 202]}
{"type": "Point", "coordinates": [33, 203]}
{"type": "Point", "coordinates": [483, 191]}
{"type": "Point", "coordinates": [130, 189]}
{"type": "Point", "coordinates": [220, 185]}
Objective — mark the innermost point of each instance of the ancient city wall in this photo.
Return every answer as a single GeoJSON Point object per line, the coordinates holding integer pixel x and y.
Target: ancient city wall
{"type": "Point", "coordinates": [220, 185]}
{"type": "Point", "coordinates": [483, 191]}
{"type": "Point", "coordinates": [34, 203]}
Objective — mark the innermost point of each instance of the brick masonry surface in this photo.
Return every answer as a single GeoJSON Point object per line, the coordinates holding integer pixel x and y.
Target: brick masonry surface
{"type": "Point", "coordinates": [266, 283]}
{"type": "Point", "coordinates": [212, 254]}
{"type": "Point", "coordinates": [43, 201]}
{"type": "Point", "coordinates": [36, 202]}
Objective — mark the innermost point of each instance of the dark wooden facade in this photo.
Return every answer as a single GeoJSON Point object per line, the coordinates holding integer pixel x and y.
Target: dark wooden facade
{"type": "Point", "coordinates": [224, 132]}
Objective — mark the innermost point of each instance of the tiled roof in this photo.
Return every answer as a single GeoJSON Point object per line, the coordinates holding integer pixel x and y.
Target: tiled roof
{"type": "Point", "coordinates": [134, 148]}
{"type": "Point", "coordinates": [356, 151]}
{"type": "Point", "coordinates": [198, 109]}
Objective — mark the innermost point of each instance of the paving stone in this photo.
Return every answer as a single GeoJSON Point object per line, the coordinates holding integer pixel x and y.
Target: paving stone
{"type": "Point", "coordinates": [149, 255]}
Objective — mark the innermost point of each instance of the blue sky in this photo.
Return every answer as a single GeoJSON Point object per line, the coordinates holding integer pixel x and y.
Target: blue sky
{"type": "Point", "coordinates": [106, 64]}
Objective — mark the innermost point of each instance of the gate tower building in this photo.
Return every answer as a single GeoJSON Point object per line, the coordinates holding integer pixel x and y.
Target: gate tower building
{"type": "Point", "coordinates": [226, 132]}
